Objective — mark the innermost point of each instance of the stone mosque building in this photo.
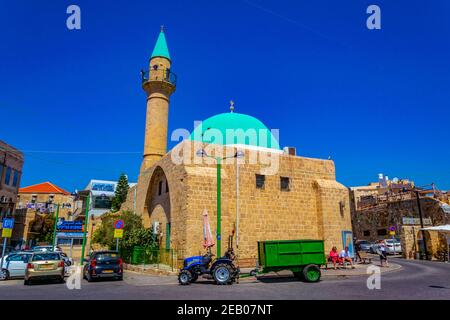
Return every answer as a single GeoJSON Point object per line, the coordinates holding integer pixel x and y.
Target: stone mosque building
{"type": "Point", "coordinates": [267, 193]}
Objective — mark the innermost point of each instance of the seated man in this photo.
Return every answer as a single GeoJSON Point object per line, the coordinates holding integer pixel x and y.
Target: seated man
{"type": "Point", "coordinates": [345, 256]}
{"type": "Point", "coordinates": [334, 257]}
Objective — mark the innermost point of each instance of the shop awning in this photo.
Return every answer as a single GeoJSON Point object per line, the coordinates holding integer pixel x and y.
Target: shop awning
{"type": "Point", "coordinates": [442, 228]}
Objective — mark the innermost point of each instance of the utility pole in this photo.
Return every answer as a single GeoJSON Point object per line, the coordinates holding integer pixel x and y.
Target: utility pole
{"type": "Point", "coordinates": [421, 224]}
{"type": "Point", "coordinates": [86, 220]}
{"type": "Point", "coordinates": [219, 208]}
{"type": "Point", "coordinates": [54, 228]}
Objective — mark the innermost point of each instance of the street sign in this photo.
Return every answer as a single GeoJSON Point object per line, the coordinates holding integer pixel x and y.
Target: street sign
{"type": "Point", "coordinates": [8, 223]}
{"type": "Point", "coordinates": [119, 224]}
{"type": "Point", "coordinates": [392, 233]}
{"type": "Point", "coordinates": [118, 233]}
{"type": "Point", "coordinates": [6, 233]}
{"type": "Point", "coordinates": [392, 228]}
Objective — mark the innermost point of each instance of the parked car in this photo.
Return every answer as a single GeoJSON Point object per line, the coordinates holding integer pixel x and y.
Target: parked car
{"type": "Point", "coordinates": [14, 265]}
{"type": "Point", "coordinates": [364, 245]}
{"type": "Point", "coordinates": [103, 264]}
{"type": "Point", "coordinates": [46, 248]}
{"type": "Point", "coordinates": [44, 265]}
{"type": "Point", "coordinates": [393, 246]}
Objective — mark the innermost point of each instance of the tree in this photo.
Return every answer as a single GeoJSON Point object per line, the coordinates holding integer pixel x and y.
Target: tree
{"type": "Point", "coordinates": [120, 195]}
{"type": "Point", "coordinates": [45, 231]}
{"type": "Point", "coordinates": [134, 233]}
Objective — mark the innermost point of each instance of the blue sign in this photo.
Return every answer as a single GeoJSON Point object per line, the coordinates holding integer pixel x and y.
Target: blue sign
{"type": "Point", "coordinates": [69, 226]}
{"type": "Point", "coordinates": [75, 235]}
{"type": "Point", "coordinates": [119, 224]}
{"type": "Point", "coordinates": [8, 223]}
{"type": "Point", "coordinates": [347, 241]}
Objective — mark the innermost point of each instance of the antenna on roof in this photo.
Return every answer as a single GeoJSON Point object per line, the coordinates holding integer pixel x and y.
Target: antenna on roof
{"type": "Point", "coordinates": [231, 106]}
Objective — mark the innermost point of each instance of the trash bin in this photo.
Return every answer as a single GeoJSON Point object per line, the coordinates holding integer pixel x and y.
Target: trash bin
{"type": "Point", "coordinates": [137, 257]}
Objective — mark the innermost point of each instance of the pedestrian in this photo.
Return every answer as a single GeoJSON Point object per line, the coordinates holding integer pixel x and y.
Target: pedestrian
{"type": "Point", "coordinates": [334, 257]}
{"type": "Point", "coordinates": [345, 256]}
{"type": "Point", "coordinates": [357, 249]}
{"type": "Point", "coordinates": [383, 254]}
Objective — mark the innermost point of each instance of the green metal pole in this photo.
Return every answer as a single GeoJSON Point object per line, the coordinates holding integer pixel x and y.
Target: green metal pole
{"type": "Point", "coordinates": [54, 229]}
{"type": "Point", "coordinates": [86, 220]}
{"type": "Point", "coordinates": [219, 222]}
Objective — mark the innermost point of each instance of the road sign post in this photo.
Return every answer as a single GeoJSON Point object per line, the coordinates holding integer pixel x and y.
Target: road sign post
{"type": "Point", "coordinates": [7, 226]}
{"type": "Point", "coordinates": [118, 231]}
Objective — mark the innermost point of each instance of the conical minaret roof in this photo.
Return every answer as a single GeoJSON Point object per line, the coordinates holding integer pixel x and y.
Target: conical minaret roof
{"type": "Point", "coordinates": [161, 49]}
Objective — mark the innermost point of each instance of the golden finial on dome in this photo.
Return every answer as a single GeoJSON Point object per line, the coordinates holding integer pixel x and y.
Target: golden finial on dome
{"type": "Point", "coordinates": [231, 106]}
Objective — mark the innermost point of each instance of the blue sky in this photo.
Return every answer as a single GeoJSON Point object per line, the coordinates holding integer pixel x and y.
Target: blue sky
{"type": "Point", "coordinates": [374, 100]}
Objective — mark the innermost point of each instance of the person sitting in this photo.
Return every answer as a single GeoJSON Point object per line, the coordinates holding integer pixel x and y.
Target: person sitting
{"type": "Point", "coordinates": [345, 256]}
{"type": "Point", "coordinates": [334, 257]}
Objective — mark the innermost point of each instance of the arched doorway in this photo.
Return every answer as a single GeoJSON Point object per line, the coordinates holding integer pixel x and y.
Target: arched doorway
{"type": "Point", "coordinates": [158, 207]}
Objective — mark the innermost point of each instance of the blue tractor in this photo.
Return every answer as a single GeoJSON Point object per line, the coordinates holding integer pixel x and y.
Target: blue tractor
{"type": "Point", "coordinates": [222, 270]}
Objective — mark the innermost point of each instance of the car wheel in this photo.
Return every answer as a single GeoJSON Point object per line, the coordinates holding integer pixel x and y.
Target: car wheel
{"type": "Point", "coordinates": [4, 275]}
{"type": "Point", "coordinates": [61, 280]}
{"type": "Point", "coordinates": [27, 282]}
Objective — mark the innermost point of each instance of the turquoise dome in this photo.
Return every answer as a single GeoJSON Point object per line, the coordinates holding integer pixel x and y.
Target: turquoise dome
{"type": "Point", "coordinates": [234, 128]}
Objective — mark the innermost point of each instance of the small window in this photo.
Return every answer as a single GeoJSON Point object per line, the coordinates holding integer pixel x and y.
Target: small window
{"type": "Point", "coordinates": [8, 176]}
{"type": "Point", "coordinates": [366, 233]}
{"type": "Point", "coordinates": [33, 199]}
{"type": "Point", "coordinates": [159, 188]}
{"type": "Point", "coordinates": [285, 183]}
{"type": "Point", "coordinates": [167, 186]}
{"type": "Point", "coordinates": [260, 180]}
{"type": "Point", "coordinates": [15, 178]}
{"type": "Point", "coordinates": [382, 232]}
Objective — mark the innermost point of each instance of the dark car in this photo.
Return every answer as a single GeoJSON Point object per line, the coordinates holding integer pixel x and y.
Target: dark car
{"type": "Point", "coordinates": [103, 264]}
{"type": "Point", "coordinates": [364, 245]}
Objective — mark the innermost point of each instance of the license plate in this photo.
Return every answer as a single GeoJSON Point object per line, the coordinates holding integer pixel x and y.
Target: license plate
{"type": "Point", "coordinates": [107, 271]}
{"type": "Point", "coordinates": [46, 266]}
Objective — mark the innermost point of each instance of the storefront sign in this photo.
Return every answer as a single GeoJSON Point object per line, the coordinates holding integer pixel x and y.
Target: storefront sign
{"type": "Point", "coordinates": [416, 221]}
{"type": "Point", "coordinates": [69, 226]}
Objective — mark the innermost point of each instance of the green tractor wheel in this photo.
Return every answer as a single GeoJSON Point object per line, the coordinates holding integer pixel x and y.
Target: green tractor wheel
{"type": "Point", "coordinates": [311, 273]}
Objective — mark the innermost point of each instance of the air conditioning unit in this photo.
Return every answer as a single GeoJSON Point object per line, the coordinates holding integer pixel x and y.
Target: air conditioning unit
{"type": "Point", "coordinates": [291, 151]}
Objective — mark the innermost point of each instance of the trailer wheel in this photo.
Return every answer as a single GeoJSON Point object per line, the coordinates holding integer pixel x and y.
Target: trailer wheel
{"type": "Point", "coordinates": [184, 277]}
{"type": "Point", "coordinates": [222, 273]}
{"type": "Point", "coordinates": [311, 273]}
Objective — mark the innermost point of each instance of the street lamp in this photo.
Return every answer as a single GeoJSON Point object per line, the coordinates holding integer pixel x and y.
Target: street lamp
{"type": "Point", "coordinates": [202, 153]}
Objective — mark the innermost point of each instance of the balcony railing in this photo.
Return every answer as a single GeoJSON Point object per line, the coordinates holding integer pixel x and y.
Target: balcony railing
{"type": "Point", "coordinates": [159, 75]}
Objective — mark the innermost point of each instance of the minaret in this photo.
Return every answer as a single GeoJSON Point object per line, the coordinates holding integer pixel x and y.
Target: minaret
{"type": "Point", "coordinates": [159, 83]}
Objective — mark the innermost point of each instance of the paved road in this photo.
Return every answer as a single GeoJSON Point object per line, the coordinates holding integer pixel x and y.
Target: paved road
{"type": "Point", "coordinates": [416, 280]}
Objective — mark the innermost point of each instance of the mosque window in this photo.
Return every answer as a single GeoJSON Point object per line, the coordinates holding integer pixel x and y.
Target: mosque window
{"type": "Point", "coordinates": [366, 233]}
{"type": "Point", "coordinates": [285, 183]}
{"type": "Point", "coordinates": [159, 188]}
{"type": "Point", "coordinates": [260, 180]}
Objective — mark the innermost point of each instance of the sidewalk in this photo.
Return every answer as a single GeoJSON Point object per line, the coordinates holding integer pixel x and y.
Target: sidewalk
{"type": "Point", "coordinates": [359, 270]}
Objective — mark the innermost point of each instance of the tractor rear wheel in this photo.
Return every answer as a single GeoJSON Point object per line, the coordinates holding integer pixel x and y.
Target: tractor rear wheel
{"type": "Point", "coordinates": [311, 273]}
{"type": "Point", "coordinates": [222, 273]}
{"type": "Point", "coordinates": [184, 277]}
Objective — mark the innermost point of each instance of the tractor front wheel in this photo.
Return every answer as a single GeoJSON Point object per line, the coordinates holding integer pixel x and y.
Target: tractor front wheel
{"type": "Point", "coordinates": [222, 273]}
{"type": "Point", "coordinates": [184, 277]}
{"type": "Point", "coordinates": [311, 273]}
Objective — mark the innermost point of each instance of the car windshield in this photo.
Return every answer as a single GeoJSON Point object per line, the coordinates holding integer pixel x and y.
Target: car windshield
{"type": "Point", "coordinates": [46, 256]}
{"type": "Point", "coordinates": [49, 248]}
{"type": "Point", "coordinates": [106, 256]}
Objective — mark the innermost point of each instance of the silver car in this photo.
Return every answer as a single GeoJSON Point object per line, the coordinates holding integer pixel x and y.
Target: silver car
{"type": "Point", "coordinates": [14, 265]}
{"type": "Point", "coordinates": [393, 246]}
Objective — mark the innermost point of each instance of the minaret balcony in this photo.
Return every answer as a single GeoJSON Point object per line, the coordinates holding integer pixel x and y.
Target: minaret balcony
{"type": "Point", "coordinates": [164, 75]}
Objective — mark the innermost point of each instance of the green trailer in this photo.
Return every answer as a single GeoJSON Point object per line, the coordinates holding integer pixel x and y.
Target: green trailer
{"type": "Point", "coordinates": [302, 257]}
